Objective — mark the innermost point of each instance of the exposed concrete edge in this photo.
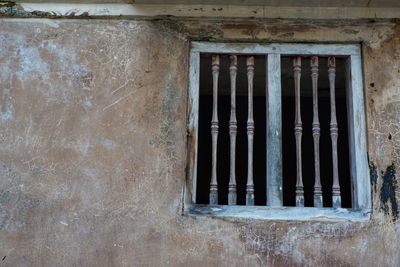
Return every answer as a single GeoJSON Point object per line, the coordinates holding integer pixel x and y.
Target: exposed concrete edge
{"type": "Point", "coordinates": [11, 9]}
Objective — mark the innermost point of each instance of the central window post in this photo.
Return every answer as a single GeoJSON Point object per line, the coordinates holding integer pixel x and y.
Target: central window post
{"type": "Point", "coordinates": [274, 131]}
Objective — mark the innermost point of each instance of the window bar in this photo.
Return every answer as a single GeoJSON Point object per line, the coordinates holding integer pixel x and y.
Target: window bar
{"type": "Point", "coordinates": [298, 130]}
{"type": "Point", "coordinates": [250, 133]}
{"type": "Point", "coordinates": [316, 130]}
{"type": "Point", "coordinates": [214, 132]}
{"type": "Point", "coordinates": [336, 201]}
{"type": "Point", "coordinates": [232, 132]}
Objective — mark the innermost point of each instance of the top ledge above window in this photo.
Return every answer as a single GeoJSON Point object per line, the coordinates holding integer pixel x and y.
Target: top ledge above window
{"type": "Point", "coordinates": [281, 213]}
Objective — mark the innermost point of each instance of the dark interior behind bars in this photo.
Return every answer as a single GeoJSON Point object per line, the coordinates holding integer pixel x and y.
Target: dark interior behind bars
{"type": "Point", "coordinates": [288, 139]}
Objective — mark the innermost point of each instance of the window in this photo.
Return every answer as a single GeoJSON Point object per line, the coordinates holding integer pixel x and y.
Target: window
{"type": "Point", "coordinates": [277, 130]}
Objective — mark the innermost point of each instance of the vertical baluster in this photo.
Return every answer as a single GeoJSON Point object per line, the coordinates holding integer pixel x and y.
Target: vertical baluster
{"type": "Point", "coordinates": [232, 132]}
{"type": "Point", "coordinates": [250, 133]}
{"type": "Point", "coordinates": [336, 200]}
{"type": "Point", "coordinates": [214, 132]}
{"type": "Point", "coordinates": [298, 130]}
{"type": "Point", "coordinates": [316, 130]}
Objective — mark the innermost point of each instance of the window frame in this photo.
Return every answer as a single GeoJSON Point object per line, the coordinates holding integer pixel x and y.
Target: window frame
{"type": "Point", "coordinates": [359, 170]}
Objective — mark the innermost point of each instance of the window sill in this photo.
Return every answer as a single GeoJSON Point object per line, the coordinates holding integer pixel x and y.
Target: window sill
{"type": "Point", "coordinates": [281, 213]}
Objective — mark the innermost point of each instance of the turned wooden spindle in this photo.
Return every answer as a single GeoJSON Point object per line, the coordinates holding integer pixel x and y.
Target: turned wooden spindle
{"type": "Point", "coordinates": [232, 198]}
{"type": "Point", "coordinates": [250, 133]}
{"type": "Point", "coordinates": [336, 200]}
{"type": "Point", "coordinates": [316, 130]}
{"type": "Point", "coordinates": [214, 132]}
{"type": "Point", "coordinates": [298, 131]}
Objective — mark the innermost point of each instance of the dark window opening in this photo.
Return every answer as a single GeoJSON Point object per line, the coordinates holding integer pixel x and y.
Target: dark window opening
{"type": "Point", "coordinates": [288, 139]}
{"type": "Point", "coordinates": [204, 135]}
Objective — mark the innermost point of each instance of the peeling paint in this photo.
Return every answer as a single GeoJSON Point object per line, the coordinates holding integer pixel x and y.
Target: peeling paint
{"type": "Point", "coordinates": [7, 109]}
{"type": "Point", "coordinates": [388, 192]}
{"type": "Point", "coordinates": [12, 9]}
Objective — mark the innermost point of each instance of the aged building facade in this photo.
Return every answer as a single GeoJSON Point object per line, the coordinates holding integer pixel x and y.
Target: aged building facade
{"type": "Point", "coordinates": [94, 141]}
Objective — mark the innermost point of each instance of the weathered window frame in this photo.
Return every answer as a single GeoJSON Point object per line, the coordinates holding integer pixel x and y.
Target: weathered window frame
{"type": "Point", "coordinates": [361, 193]}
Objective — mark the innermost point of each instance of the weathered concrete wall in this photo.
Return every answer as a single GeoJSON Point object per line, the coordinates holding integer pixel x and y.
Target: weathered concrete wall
{"type": "Point", "coordinates": [93, 148]}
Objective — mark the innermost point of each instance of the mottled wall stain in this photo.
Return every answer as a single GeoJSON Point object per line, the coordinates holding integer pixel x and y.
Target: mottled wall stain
{"type": "Point", "coordinates": [93, 148]}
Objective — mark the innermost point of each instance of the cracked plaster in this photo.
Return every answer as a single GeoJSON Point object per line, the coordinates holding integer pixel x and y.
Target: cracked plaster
{"type": "Point", "coordinates": [93, 147]}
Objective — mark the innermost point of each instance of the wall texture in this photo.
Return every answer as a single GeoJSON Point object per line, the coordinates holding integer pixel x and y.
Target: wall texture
{"type": "Point", "coordinates": [93, 148]}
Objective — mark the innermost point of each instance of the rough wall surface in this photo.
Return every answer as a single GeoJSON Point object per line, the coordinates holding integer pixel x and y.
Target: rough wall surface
{"type": "Point", "coordinates": [93, 148]}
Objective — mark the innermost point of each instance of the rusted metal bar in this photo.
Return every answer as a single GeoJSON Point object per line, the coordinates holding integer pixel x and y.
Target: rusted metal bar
{"type": "Point", "coordinates": [232, 198]}
{"type": "Point", "coordinates": [336, 199]}
{"type": "Point", "coordinates": [250, 132]}
{"type": "Point", "coordinates": [298, 131]}
{"type": "Point", "coordinates": [316, 131]}
{"type": "Point", "coordinates": [214, 132]}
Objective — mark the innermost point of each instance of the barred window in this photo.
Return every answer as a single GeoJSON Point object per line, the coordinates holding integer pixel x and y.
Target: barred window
{"type": "Point", "coordinates": [277, 125]}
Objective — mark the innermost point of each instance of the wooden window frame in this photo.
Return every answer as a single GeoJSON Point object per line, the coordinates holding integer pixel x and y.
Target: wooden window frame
{"type": "Point", "coordinates": [359, 170]}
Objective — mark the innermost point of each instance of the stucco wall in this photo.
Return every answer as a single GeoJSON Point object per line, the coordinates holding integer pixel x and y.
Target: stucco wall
{"type": "Point", "coordinates": [93, 148]}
